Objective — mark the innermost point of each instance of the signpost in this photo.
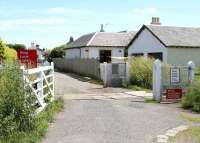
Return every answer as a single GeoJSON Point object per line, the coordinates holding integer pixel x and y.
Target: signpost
{"type": "Point", "coordinates": [28, 58]}
{"type": "Point", "coordinates": [173, 94]}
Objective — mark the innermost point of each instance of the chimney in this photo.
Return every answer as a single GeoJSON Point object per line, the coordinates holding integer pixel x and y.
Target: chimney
{"type": "Point", "coordinates": [37, 46]}
{"type": "Point", "coordinates": [156, 21]}
{"type": "Point", "coordinates": [32, 45]}
{"type": "Point", "coordinates": [102, 30]}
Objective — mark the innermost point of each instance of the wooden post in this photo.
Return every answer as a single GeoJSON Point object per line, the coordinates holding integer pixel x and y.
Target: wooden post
{"type": "Point", "coordinates": [157, 81]}
{"type": "Point", "coordinates": [191, 72]}
{"type": "Point", "coordinates": [53, 79]}
{"type": "Point", "coordinates": [127, 72]}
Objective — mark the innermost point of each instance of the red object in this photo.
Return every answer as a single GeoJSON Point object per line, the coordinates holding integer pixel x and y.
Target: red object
{"type": "Point", "coordinates": [174, 93]}
{"type": "Point", "coordinates": [28, 57]}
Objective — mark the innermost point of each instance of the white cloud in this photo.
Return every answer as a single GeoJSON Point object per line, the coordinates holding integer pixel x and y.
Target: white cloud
{"type": "Point", "coordinates": [61, 10]}
{"type": "Point", "coordinates": [148, 11]}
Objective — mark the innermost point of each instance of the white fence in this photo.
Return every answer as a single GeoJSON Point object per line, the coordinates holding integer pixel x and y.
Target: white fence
{"type": "Point", "coordinates": [41, 82]}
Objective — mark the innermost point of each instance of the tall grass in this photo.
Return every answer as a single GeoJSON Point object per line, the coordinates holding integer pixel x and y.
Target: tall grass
{"type": "Point", "coordinates": [141, 72]}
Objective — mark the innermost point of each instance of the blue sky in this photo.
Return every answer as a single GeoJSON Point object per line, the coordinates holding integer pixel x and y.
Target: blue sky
{"type": "Point", "coordinates": [51, 22]}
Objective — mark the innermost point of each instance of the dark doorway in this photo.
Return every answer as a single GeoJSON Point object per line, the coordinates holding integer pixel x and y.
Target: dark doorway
{"type": "Point", "coordinates": [105, 56]}
{"type": "Point", "coordinates": [156, 56]}
{"type": "Point", "coordinates": [137, 54]}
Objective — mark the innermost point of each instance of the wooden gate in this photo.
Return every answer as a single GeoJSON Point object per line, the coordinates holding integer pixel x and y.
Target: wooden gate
{"type": "Point", "coordinates": [41, 82]}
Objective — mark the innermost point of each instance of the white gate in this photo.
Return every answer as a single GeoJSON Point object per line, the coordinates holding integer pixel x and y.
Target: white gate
{"type": "Point", "coordinates": [41, 82]}
{"type": "Point", "coordinates": [114, 74]}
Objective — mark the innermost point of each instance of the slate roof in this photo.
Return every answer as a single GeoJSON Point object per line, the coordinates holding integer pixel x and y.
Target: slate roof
{"type": "Point", "coordinates": [103, 39]}
{"type": "Point", "coordinates": [81, 41]}
{"type": "Point", "coordinates": [176, 36]}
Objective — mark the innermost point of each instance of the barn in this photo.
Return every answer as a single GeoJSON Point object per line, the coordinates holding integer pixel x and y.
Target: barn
{"type": "Point", "coordinates": [172, 45]}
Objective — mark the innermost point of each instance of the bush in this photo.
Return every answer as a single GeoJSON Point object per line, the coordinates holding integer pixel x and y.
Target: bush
{"type": "Point", "coordinates": [7, 53]}
{"type": "Point", "coordinates": [192, 97]}
{"type": "Point", "coordinates": [141, 72]}
{"type": "Point", "coordinates": [17, 112]}
{"type": "Point", "coordinates": [57, 52]}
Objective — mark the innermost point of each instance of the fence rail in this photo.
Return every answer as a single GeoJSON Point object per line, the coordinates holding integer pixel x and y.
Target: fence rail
{"type": "Point", "coordinates": [86, 67]}
{"type": "Point", "coordinates": [41, 82]}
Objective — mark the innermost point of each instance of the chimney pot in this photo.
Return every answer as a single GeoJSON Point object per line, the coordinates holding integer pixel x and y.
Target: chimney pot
{"type": "Point", "coordinates": [155, 21]}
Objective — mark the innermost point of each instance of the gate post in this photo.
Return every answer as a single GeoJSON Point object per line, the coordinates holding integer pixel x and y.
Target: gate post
{"type": "Point", "coordinates": [127, 72]}
{"type": "Point", "coordinates": [191, 72]}
{"type": "Point", "coordinates": [157, 81]}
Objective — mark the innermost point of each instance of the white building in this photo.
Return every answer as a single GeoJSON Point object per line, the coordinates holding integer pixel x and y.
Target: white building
{"type": "Point", "coordinates": [104, 46]}
{"type": "Point", "coordinates": [173, 45]}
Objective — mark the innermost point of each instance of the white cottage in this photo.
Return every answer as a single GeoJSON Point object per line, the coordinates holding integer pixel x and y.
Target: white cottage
{"type": "Point", "coordinates": [104, 46]}
{"type": "Point", "coordinates": [173, 45]}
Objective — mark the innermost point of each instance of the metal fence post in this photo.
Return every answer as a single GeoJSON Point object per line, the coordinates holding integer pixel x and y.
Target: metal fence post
{"type": "Point", "coordinates": [157, 81]}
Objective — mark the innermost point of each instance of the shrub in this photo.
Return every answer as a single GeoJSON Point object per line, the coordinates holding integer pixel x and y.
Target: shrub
{"type": "Point", "coordinates": [192, 97]}
{"type": "Point", "coordinates": [7, 53]}
{"type": "Point", "coordinates": [141, 72]}
{"type": "Point", "coordinates": [17, 111]}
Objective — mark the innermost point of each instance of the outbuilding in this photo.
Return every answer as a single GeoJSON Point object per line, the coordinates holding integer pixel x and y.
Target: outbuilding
{"type": "Point", "coordinates": [172, 45]}
{"type": "Point", "coordinates": [104, 46]}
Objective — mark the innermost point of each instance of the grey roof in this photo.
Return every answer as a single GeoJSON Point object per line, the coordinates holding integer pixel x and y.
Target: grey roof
{"type": "Point", "coordinates": [81, 41]}
{"type": "Point", "coordinates": [176, 36]}
{"type": "Point", "coordinates": [104, 39]}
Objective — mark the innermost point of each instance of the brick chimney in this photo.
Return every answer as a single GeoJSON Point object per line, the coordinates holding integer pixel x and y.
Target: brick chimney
{"type": "Point", "coordinates": [155, 21]}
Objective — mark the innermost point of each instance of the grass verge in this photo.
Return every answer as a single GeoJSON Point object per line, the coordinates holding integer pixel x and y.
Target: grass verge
{"type": "Point", "coordinates": [189, 118]}
{"type": "Point", "coordinates": [191, 135]}
{"type": "Point", "coordinates": [42, 124]}
{"type": "Point", "coordinates": [137, 88]}
{"type": "Point", "coordinates": [150, 100]}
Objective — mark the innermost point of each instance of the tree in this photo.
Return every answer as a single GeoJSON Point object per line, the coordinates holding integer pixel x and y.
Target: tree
{"type": "Point", "coordinates": [7, 53]}
{"type": "Point", "coordinates": [57, 52]}
{"type": "Point", "coordinates": [2, 49]}
{"type": "Point", "coordinates": [16, 46]}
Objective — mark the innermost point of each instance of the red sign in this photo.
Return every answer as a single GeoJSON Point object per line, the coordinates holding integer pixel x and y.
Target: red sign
{"type": "Point", "coordinates": [28, 58]}
{"type": "Point", "coordinates": [174, 93]}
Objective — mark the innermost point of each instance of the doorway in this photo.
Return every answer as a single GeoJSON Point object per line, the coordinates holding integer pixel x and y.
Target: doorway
{"type": "Point", "coordinates": [105, 56]}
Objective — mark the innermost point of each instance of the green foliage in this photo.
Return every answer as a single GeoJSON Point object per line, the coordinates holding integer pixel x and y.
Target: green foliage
{"type": "Point", "coordinates": [16, 109]}
{"type": "Point", "coordinates": [57, 52]}
{"type": "Point", "coordinates": [2, 49]}
{"type": "Point", "coordinates": [141, 72]}
{"type": "Point", "coordinates": [16, 46]}
{"type": "Point", "coordinates": [192, 97]}
{"type": "Point", "coordinates": [7, 53]}
{"type": "Point", "coordinates": [41, 125]}
{"type": "Point", "coordinates": [10, 54]}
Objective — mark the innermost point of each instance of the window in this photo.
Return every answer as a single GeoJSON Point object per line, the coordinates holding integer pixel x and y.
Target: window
{"type": "Point", "coordinates": [105, 56]}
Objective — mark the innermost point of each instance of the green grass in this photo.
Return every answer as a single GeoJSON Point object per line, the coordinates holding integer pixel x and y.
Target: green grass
{"type": "Point", "coordinates": [190, 118]}
{"type": "Point", "coordinates": [42, 124]}
{"type": "Point", "coordinates": [150, 100]}
{"type": "Point", "coordinates": [137, 88]}
{"type": "Point", "coordinates": [191, 135]}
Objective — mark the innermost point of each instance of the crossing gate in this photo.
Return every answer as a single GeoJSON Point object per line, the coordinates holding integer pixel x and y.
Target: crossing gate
{"type": "Point", "coordinates": [113, 74]}
{"type": "Point", "coordinates": [41, 82]}
{"type": "Point", "coordinates": [170, 81]}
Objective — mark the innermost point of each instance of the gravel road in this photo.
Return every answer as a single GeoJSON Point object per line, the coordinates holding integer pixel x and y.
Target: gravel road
{"type": "Point", "coordinates": [107, 120]}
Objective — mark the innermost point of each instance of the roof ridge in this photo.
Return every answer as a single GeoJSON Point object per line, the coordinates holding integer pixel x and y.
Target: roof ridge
{"type": "Point", "coordinates": [91, 39]}
{"type": "Point", "coordinates": [173, 26]}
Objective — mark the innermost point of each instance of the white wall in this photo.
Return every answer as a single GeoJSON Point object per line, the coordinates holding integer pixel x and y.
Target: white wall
{"type": "Point", "coordinates": [115, 52]}
{"type": "Point", "coordinates": [72, 53]}
{"type": "Point", "coordinates": [147, 43]}
{"type": "Point", "coordinates": [84, 53]}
